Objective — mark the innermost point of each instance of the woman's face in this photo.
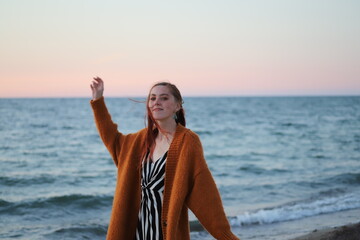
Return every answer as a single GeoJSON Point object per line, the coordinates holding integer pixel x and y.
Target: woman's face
{"type": "Point", "coordinates": [162, 103]}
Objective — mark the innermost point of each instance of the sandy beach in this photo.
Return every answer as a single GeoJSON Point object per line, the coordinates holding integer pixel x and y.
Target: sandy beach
{"type": "Point", "coordinates": [347, 232]}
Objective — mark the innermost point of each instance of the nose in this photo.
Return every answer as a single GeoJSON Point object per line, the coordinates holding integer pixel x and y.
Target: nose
{"type": "Point", "coordinates": [157, 102]}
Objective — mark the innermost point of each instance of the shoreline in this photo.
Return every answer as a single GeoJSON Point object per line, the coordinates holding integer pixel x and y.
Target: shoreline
{"type": "Point", "coordinates": [345, 232]}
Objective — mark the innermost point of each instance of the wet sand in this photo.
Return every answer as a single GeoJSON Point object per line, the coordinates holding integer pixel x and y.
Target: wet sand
{"type": "Point", "coordinates": [347, 232]}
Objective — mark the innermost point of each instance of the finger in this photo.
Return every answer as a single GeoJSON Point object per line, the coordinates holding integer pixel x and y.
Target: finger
{"type": "Point", "coordinates": [98, 82]}
{"type": "Point", "coordinates": [99, 79]}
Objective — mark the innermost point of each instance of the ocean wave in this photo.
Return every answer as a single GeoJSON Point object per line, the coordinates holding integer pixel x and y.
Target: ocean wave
{"type": "Point", "coordinates": [4, 203]}
{"type": "Point", "coordinates": [38, 125]}
{"type": "Point", "coordinates": [75, 232]}
{"type": "Point", "coordinates": [295, 125]}
{"type": "Point", "coordinates": [5, 147]}
{"type": "Point", "coordinates": [203, 132]}
{"type": "Point", "coordinates": [74, 201]}
{"type": "Point", "coordinates": [298, 210]}
{"type": "Point", "coordinates": [250, 168]}
{"type": "Point", "coordinates": [67, 128]}
{"type": "Point", "coordinates": [220, 156]}
{"type": "Point", "coordinates": [46, 154]}
{"type": "Point", "coordinates": [346, 178]}
{"type": "Point", "coordinates": [15, 181]}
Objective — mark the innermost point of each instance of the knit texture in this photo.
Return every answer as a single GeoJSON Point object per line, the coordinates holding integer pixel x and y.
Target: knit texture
{"type": "Point", "coordinates": [188, 183]}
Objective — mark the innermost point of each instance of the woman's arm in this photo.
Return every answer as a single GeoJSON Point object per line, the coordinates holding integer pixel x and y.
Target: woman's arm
{"type": "Point", "coordinates": [205, 202]}
{"type": "Point", "coordinates": [108, 131]}
{"type": "Point", "coordinates": [204, 198]}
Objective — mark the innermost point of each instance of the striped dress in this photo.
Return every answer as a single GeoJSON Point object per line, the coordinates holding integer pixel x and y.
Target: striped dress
{"type": "Point", "coordinates": [152, 188]}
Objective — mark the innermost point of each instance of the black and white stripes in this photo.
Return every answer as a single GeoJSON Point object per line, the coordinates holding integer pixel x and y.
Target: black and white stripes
{"type": "Point", "coordinates": [152, 187]}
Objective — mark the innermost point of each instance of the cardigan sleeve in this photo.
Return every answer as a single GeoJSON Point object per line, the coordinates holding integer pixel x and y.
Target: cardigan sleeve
{"type": "Point", "coordinates": [205, 202]}
{"type": "Point", "coordinates": [107, 129]}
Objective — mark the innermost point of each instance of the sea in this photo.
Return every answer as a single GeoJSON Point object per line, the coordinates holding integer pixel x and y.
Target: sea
{"type": "Point", "coordinates": [284, 166]}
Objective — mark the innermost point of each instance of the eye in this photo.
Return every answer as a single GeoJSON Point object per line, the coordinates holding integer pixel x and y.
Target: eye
{"type": "Point", "coordinates": [164, 98]}
{"type": "Point", "coordinates": [152, 98]}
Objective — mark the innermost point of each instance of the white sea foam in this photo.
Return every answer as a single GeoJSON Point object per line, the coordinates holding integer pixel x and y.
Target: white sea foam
{"type": "Point", "coordinates": [298, 210]}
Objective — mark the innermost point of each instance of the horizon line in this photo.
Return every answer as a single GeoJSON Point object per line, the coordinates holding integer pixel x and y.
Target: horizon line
{"type": "Point", "coordinates": [193, 96]}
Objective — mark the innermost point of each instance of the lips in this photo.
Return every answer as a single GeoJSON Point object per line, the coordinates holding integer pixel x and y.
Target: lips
{"type": "Point", "coordinates": [157, 109]}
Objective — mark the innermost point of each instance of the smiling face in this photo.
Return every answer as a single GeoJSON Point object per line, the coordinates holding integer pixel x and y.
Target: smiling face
{"type": "Point", "coordinates": [162, 104]}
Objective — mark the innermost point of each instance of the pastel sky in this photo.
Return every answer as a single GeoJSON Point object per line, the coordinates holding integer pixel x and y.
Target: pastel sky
{"type": "Point", "coordinates": [52, 48]}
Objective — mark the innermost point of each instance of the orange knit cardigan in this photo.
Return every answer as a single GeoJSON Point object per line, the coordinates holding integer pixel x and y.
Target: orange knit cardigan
{"type": "Point", "coordinates": [188, 183]}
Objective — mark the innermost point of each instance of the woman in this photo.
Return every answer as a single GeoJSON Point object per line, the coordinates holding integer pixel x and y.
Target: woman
{"type": "Point", "coordinates": [161, 172]}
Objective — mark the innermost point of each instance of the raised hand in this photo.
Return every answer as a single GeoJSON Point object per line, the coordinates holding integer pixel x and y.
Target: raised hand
{"type": "Point", "coordinates": [97, 88]}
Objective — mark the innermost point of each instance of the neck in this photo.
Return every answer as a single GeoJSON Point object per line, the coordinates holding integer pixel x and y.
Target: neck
{"type": "Point", "coordinates": [168, 128]}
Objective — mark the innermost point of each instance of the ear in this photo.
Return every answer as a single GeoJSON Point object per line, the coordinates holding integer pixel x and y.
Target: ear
{"type": "Point", "coordinates": [178, 107]}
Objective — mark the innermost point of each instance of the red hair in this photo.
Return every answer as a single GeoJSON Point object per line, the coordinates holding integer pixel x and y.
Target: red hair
{"type": "Point", "coordinates": [153, 127]}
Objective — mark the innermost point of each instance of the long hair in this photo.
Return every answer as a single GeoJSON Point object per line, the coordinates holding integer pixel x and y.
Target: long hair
{"type": "Point", "coordinates": [153, 127]}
